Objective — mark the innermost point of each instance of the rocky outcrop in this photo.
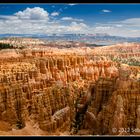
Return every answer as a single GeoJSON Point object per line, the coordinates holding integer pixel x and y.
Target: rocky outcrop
{"type": "Point", "coordinates": [41, 86]}
{"type": "Point", "coordinates": [116, 106]}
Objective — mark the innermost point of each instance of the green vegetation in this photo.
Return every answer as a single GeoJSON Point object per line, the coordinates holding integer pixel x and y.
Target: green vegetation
{"type": "Point", "coordinates": [5, 46]}
{"type": "Point", "coordinates": [130, 61]}
{"type": "Point", "coordinates": [10, 46]}
{"type": "Point", "coordinates": [94, 45]}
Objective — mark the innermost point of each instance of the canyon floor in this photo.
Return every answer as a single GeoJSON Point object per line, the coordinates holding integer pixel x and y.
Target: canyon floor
{"type": "Point", "coordinates": [67, 88]}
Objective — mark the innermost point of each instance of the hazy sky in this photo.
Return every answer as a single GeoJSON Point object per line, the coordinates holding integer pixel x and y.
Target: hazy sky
{"type": "Point", "coordinates": [113, 19]}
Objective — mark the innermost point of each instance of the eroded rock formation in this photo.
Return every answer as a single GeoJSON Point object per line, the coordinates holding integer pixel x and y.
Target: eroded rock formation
{"type": "Point", "coordinates": [41, 86]}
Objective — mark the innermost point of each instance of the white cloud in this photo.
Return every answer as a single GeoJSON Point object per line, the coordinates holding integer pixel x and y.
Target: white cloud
{"type": "Point", "coordinates": [77, 27]}
{"type": "Point", "coordinates": [106, 11]}
{"type": "Point", "coordinates": [55, 14]}
{"type": "Point", "coordinates": [119, 25]}
{"type": "Point", "coordinates": [71, 19]}
{"type": "Point", "coordinates": [127, 27]}
{"type": "Point", "coordinates": [38, 21]}
{"type": "Point", "coordinates": [102, 28]}
{"type": "Point", "coordinates": [117, 31]}
{"type": "Point", "coordinates": [131, 21]}
{"type": "Point", "coordinates": [72, 4]}
{"type": "Point", "coordinates": [66, 18]}
{"type": "Point", "coordinates": [30, 20]}
{"type": "Point", "coordinates": [8, 17]}
{"type": "Point", "coordinates": [35, 13]}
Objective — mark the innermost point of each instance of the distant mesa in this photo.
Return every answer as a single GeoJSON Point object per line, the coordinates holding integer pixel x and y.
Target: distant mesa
{"type": "Point", "coordinates": [97, 38]}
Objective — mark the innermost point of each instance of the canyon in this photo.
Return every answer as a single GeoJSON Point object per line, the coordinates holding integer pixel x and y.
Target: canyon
{"type": "Point", "coordinates": [47, 90]}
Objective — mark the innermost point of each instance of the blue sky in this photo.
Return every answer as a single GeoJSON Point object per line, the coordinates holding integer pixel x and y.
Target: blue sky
{"type": "Point", "coordinates": [113, 19]}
